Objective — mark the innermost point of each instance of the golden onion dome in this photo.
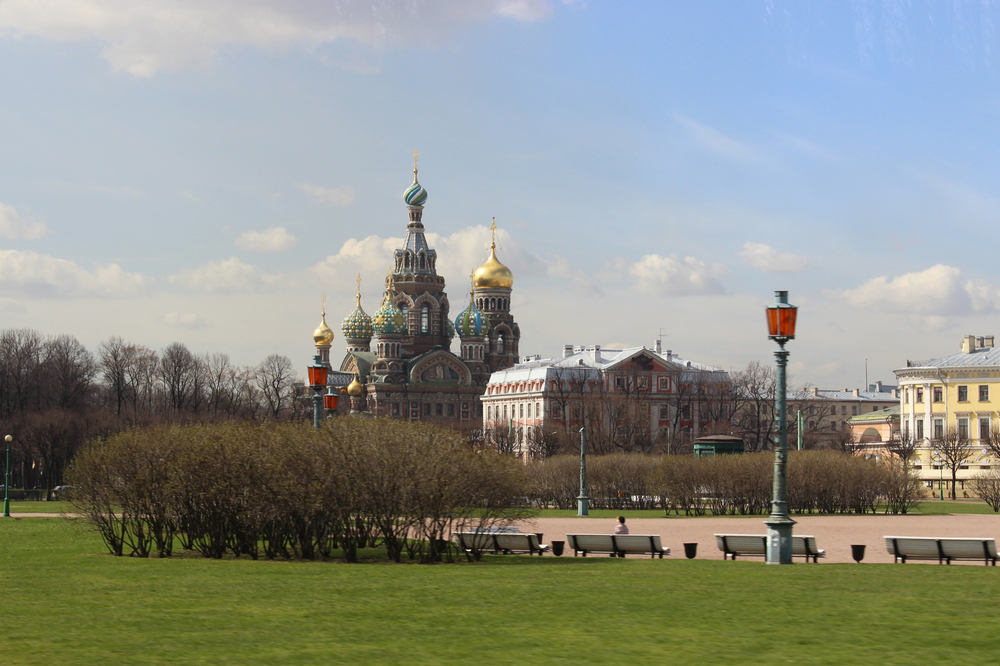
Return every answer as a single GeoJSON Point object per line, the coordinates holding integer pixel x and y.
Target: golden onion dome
{"type": "Point", "coordinates": [323, 335]}
{"type": "Point", "coordinates": [354, 388]}
{"type": "Point", "coordinates": [493, 274]}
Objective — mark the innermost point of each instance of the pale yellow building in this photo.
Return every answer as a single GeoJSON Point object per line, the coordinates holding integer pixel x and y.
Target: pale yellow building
{"type": "Point", "coordinates": [960, 392]}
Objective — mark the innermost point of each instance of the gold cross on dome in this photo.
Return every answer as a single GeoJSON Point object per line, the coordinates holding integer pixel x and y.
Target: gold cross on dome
{"type": "Point", "coordinates": [493, 233]}
{"type": "Point", "coordinates": [415, 155]}
{"type": "Point", "coordinates": [323, 310]}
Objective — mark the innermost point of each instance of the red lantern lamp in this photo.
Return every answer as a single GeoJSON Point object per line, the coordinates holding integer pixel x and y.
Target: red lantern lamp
{"type": "Point", "coordinates": [330, 400]}
{"type": "Point", "coordinates": [781, 319]}
{"type": "Point", "coordinates": [317, 373]}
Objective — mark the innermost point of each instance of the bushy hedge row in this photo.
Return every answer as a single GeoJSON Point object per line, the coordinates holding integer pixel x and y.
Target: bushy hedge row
{"type": "Point", "coordinates": [818, 481]}
{"type": "Point", "coordinates": [290, 491]}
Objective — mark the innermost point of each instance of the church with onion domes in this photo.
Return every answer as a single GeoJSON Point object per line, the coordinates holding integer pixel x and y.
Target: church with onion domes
{"type": "Point", "coordinates": [400, 360]}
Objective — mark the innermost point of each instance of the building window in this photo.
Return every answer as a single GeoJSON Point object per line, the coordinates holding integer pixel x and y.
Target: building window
{"type": "Point", "coordinates": [538, 410]}
{"type": "Point", "coordinates": [505, 412]}
{"type": "Point", "coordinates": [500, 344]}
{"type": "Point", "coordinates": [686, 412]}
{"type": "Point", "coordinates": [520, 411]}
{"type": "Point", "coordinates": [664, 413]}
{"type": "Point", "coordinates": [427, 409]}
{"type": "Point", "coordinates": [938, 394]}
{"type": "Point", "coordinates": [833, 411]}
{"type": "Point", "coordinates": [843, 410]}
{"type": "Point", "coordinates": [451, 410]}
{"type": "Point", "coordinates": [556, 411]}
{"type": "Point", "coordinates": [938, 429]}
{"type": "Point", "coordinates": [984, 428]}
{"type": "Point", "coordinates": [620, 383]}
{"type": "Point", "coordinates": [920, 394]}
{"type": "Point", "coordinates": [425, 318]}
{"type": "Point", "coordinates": [963, 429]}
{"type": "Point", "coordinates": [642, 383]}
{"type": "Point", "coordinates": [920, 429]}
{"type": "Point", "coordinates": [723, 412]}
{"type": "Point", "coordinates": [395, 409]}
{"type": "Point", "coordinates": [984, 393]}
{"type": "Point", "coordinates": [963, 393]}
{"type": "Point", "coordinates": [854, 410]}
{"type": "Point", "coordinates": [439, 409]}
{"type": "Point", "coordinates": [663, 384]}
{"type": "Point", "coordinates": [529, 410]}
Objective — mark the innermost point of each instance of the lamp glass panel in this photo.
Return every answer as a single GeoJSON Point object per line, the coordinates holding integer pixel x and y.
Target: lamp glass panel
{"type": "Point", "coordinates": [772, 321]}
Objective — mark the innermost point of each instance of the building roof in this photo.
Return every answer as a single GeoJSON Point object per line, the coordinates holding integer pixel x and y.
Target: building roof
{"type": "Point", "coordinates": [842, 396]}
{"type": "Point", "coordinates": [888, 413]}
{"type": "Point", "coordinates": [977, 358]}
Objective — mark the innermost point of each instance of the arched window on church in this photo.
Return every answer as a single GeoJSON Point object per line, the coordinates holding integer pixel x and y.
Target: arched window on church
{"type": "Point", "coordinates": [421, 262]}
{"type": "Point", "coordinates": [406, 261]}
{"type": "Point", "coordinates": [500, 344]}
{"type": "Point", "coordinates": [425, 317]}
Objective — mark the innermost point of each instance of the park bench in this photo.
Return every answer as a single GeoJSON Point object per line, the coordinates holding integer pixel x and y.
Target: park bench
{"type": "Point", "coordinates": [803, 545]}
{"type": "Point", "coordinates": [500, 542]}
{"type": "Point", "coordinates": [617, 544]}
{"type": "Point", "coordinates": [941, 549]}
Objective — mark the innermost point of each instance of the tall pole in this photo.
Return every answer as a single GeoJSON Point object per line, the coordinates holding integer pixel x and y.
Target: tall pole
{"type": "Point", "coordinates": [798, 427]}
{"type": "Point", "coordinates": [582, 500]}
{"type": "Point", "coordinates": [317, 406]}
{"type": "Point", "coordinates": [779, 525]}
{"type": "Point", "coordinates": [6, 483]}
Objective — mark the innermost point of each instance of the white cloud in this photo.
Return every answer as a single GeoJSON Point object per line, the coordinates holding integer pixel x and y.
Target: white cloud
{"type": "Point", "coordinates": [228, 275]}
{"type": "Point", "coordinates": [14, 226]}
{"type": "Point", "coordinates": [937, 290]}
{"type": "Point", "coordinates": [42, 275]}
{"type": "Point", "coordinates": [717, 142]}
{"type": "Point", "coordinates": [766, 258]}
{"type": "Point", "coordinates": [188, 320]}
{"type": "Point", "coordinates": [144, 38]}
{"type": "Point", "coordinates": [674, 276]}
{"type": "Point", "coordinates": [274, 239]}
{"type": "Point", "coordinates": [338, 196]}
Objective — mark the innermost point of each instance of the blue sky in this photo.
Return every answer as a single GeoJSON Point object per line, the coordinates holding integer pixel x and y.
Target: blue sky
{"type": "Point", "coordinates": [203, 170]}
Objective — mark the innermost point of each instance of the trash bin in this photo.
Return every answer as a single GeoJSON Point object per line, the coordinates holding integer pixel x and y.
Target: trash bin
{"type": "Point", "coordinates": [858, 552]}
{"type": "Point", "coordinates": [557, 548]}
{"type": "Point", "coordinates": [690, 550]}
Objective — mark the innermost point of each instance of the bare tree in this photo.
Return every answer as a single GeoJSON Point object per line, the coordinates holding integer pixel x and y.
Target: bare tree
{"type": "Point", "coordinates": [20, 361]}
{"type": "Point", "coordinates": [178, 368]}
{"type": "Point", "coordinates": [115, 357]}
{"type": "Point", "coordinates": [987, 486]}
{"type": "Point", "coordinates": [903, 446]}
{"type": "Point", "coordinates": [274, 378]}
{"type": "Point", "coordinates": [753, 417]}
{"type": "Point", "coordinates": [953, 448]}
{"type": "Point", "coordinates": [69, 372]}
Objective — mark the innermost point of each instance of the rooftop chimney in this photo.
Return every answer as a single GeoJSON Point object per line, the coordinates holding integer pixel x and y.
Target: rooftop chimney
{"type": "Point", "coordinates": [988, 341]}
{"type": "Point", "coordinates": [596, 353]}
{"type": "Point", "coordinates": [567, 351]}
{"type": "Point", "coordinates": [657, 346]}
{"type": "Point", "coordinates": [979, 342]}
{"type": "Point", "coordinates": [968, 344]}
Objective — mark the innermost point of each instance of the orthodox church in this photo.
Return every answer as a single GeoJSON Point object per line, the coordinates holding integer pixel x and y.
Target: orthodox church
{"type": "Point", "coordinates": [400, 357]}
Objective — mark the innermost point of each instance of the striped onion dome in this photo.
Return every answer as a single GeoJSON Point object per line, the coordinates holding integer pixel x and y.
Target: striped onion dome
{"type": "Point", "coordinates": [415, 194]}
{"type": "Point", "coordinates": [472, 322]}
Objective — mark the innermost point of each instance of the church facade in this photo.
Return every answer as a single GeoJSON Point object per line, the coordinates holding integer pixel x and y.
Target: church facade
{"type": "Point", "coordinates": [400, 357]}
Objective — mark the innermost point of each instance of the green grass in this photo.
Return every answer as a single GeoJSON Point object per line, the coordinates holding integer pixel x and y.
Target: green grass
{"type": "Point", "coordinates": [65, 601]}
{"type": "Point", "coordinates": [40, 507]}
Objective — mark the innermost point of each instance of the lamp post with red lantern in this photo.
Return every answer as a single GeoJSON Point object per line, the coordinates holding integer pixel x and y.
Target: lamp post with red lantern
{"type": "Point", "coordinates": [781, 329]}
{"type": "Point", "coordinates": [317, 379]}
{"type": "Point", "coordinates": [330, 399]}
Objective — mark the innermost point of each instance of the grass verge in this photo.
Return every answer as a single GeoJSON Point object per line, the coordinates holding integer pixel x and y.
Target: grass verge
{"type": "Point", "coordinates": [69, 602]}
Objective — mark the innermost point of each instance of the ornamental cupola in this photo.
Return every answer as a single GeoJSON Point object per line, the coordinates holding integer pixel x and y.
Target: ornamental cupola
{"type": "Point", "coordinates": [473, 326]}
{"type": "Point", "coordinates": [323, 336]}
{"type": "Point", "coordinates": [388, 324]}
{"type": "Point", "coordinates": [357, 327]}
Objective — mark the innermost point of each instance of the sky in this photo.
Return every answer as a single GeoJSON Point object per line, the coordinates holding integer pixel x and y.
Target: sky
{"type": "Point", "coordinates": [203, 171]}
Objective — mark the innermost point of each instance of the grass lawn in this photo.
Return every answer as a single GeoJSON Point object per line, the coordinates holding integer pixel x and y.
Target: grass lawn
{"type": "Point", "coordinates": [40, 507]}
{"type": "Point", "coordinates": [66, 601]}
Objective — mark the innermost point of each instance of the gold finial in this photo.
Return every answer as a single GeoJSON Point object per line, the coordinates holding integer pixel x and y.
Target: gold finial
{"type": "Point", "coordinates": [472, 285]}
{"type": "Point", "coordinates": [493, 234]}
{"type": "Point", "coordinates": [323, 308]}
{"type": "Point", "coordinates": [415, 155]}
{"type": "Point", "coordinates": [359, 290]}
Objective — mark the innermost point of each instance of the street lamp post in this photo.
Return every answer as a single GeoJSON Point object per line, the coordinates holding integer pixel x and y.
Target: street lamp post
{"type": "Point", "coordinates": [330, 399]}
{"type": "Point", "coordinates": [582, 501]}
{"type": "Point", "coordinates": [317, 379]}
{"type": "Point", "coordinates": [781, 329]}
{"type": "Point", "coordinates": [6, 483]}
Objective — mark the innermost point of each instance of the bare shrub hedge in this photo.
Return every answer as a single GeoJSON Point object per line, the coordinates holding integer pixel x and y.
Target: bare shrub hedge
{"type": "Point", "coordinates": [290, 491]}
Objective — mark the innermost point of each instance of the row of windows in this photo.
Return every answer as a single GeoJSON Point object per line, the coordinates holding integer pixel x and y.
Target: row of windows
{"type": "Point", "coordinates": [524, 410]}
{"type": "Point", "coordinates": [937, 393]}
{"type": "Point", "coordinates": [438, 409]}
{"type": "Point", "coordinates": [962, 427]}
{"type": "Point", "coordinates": [641, 383]}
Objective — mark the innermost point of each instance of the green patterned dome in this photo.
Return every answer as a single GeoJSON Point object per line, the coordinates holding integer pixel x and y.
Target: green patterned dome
{"type": "Point", "coordinates": [357, 325]}
{"type": "Point", "coordinates": [451, 329]}
{"type": "Point", "coordinates": [388, 319]}
{"type": "Point", "coordinates": [472, 322]}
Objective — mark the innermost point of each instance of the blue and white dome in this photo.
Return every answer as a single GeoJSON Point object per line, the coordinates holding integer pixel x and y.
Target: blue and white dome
{"type": "Point", "coordinates": [472, 322]}
{"type": "Point", "coordinates": [357, 325]}
{"type": "Point", "coordinates": [415, 194]}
